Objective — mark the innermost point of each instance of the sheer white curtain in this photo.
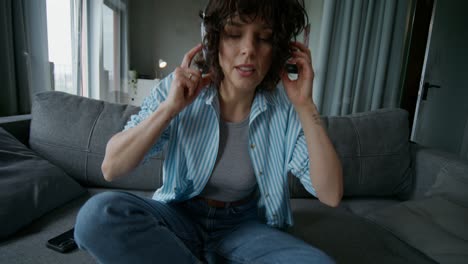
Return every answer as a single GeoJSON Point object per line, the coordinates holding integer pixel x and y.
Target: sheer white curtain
{"type": "Point", "coordinates": [100, 49]}
{"type": "Point", "coordinates": [361, 55]}
{"type": "Point", "coordinates": [76, 7]}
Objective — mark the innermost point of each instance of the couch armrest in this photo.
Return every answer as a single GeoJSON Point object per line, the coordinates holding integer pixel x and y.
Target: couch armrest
{"type": "Point", "coordinates": [18, 126]}
{"type": "Point", "coordinates": [427, 164]}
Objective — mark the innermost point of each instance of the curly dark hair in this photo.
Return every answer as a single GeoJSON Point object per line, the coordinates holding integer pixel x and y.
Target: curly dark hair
{"type": "Point", "coordinates": [287, 19]}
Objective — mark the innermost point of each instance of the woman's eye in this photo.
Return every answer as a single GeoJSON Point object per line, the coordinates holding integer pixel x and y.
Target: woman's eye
{"type": "Point", "coordinates": [232, 34]}
{"type": "Point", "coordinates": [265, 38]}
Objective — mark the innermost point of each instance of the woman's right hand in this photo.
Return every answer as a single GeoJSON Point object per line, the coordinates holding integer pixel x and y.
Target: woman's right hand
{"type": "Point", "coordinates": [126, 149]}
{"type": "Point", "coordinates": [187, 83]}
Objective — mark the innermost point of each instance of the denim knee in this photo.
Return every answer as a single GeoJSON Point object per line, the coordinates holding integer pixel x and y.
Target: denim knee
{"type": "Point", "coordinates": [93, 218]}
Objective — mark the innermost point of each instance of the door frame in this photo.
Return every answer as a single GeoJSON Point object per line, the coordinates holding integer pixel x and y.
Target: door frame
{"type": "Point", "coordinates": [423, 72]}
{"type": "Point", "coordinates": [421, 28]}
{"type": "Point", "coordinates": [464, 146]}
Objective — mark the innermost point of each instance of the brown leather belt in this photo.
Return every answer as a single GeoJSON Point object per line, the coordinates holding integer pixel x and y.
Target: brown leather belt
{"type": "Point", "coordinates": [221, 204]}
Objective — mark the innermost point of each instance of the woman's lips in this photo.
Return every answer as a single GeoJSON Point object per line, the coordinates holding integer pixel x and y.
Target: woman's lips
{"type": "Point", "coordinates": [245, 70]}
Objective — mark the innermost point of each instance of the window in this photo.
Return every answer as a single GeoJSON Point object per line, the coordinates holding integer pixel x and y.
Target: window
{"type": "Point", "coordinates": [87, 43]}
{"type": "Point", "coordinates": [111, 49]}
{"type": "Point", "coordinates": [59, 43]}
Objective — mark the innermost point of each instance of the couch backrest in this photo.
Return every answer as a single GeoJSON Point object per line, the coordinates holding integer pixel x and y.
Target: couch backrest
{"type": "Point", "coordinates": [374, 151]}
{"type": "Point", "coordinates": [72, 132]}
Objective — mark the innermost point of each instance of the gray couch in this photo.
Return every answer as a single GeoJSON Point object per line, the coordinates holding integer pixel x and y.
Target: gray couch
{"type": "Point", "coordinates": [403, 203]}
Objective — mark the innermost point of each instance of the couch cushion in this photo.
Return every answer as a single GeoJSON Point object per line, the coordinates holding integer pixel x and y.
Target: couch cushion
{"type": "Point", "coordinates": [452, 182]}
{"type": "Point", "coordinates": [29, 245]}
{"type": "Point", "coordinates": [18, 126]}
{"type": "Point", "coordinates": [347, 237]}
{"type": "Point", "coordinates": [364, 206]}
{"type": "Point", "coordinates": [29, 185]}
{"type": "Point", "coordinates": [72, 132]}
{"type": "Point", "coordinates": [374, 151]}
{"type": "Point", "coordinates": [435, 226]}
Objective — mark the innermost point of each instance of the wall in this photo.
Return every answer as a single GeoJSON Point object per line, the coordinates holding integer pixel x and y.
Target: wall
{"type": "Point", "coordinates": [142, 36]}
{"type": "Point", "coordinates": [314, 10]}
{"type": "Point", "coordinates": [162, 29]}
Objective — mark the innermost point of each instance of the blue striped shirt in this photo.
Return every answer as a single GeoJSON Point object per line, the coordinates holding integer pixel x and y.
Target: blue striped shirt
{"type": "Point", "coordinates": [277, 146]}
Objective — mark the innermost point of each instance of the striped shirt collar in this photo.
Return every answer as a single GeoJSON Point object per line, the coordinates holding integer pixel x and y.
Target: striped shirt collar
{"type": "Point", "coordinates": [262, 97]}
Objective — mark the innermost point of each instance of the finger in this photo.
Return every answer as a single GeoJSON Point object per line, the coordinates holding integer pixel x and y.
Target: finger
{"type": "Point", "coordinates": [189, 56]}
{"type": "Point", "coordinates": [285, 78]}
{"type": "Point", "coordinates": [189, 89]}
{"type": "Point", "coordinates": [205, 80]}
{"type": "Point", "coordinates": [184, 82]}
{"type": "Point", "coordinates": [301, 48]}
{"type": "Point", "coordinates": [191, 83]}
{"type": "Point", "coordinates": [304, 67]}
{"type": "Point", "coordinates": [203, 83]}
{"type": "Point", "coordinates": [298, 54]}
{"type": "Point", "coordinates": [193, 75]}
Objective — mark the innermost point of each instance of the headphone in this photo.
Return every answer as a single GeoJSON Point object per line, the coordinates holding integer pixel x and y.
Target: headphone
{"type": "Point", "coordinates": [203, 65]}
{"type": "Point", "coordinates": [203, 34]}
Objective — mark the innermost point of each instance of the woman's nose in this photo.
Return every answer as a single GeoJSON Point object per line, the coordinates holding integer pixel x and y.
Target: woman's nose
{"type": "Point", "coordinates": [249, 45]}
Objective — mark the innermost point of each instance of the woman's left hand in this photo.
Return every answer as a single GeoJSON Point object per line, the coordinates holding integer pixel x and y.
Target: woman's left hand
{"type": "Point", "coordinates": [325, 171]}
{"type": "Point", "coordinates": [299, 91]}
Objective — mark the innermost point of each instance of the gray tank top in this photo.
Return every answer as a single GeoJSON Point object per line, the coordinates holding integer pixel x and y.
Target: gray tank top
{"type": "Point", "coordinates": [233, 176]}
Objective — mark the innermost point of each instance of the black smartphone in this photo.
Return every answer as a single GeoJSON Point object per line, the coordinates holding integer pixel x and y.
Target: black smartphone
{"type": "Point", "coordinates": [63, 243]}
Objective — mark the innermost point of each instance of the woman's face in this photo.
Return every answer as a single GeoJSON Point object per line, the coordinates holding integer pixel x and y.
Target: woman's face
{"type": "Point", "coordinates": [245, 53]}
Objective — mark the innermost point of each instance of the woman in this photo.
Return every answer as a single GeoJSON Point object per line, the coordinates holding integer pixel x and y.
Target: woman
{"type": "Point", "coordinates": [232, 136]}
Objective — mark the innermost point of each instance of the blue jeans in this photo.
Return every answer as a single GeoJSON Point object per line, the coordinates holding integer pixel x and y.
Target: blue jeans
{"type": "Point", "coordinates": [119, 227]}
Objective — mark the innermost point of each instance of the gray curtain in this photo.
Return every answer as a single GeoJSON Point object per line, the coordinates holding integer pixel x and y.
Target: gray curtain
{"type": "Point", "coordinates": [14, 66]}
{"type": "Point", "coordinates": [24, 67]}
{"type": "Point", "coordinates": [361, 55]}
{"type": "Point", "coordinates": [36, 20]}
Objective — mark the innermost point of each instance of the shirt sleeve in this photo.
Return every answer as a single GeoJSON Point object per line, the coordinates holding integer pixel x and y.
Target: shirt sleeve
{"type": "Point", "coordinates": [150, 104]}
{"type": "Point", "coordinates": [299, 164]}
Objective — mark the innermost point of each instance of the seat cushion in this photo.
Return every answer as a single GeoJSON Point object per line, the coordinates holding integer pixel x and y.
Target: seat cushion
{"type": "Point", "coordinates": [452, 182]}
{"type": "Point", "coordinates": [29, 245]}
{"type": "Point", "coordinates": [349, 238]}
{"type": "Point", "coordinates": [435, 226]}
{"type": "Point", "coordinates": [30, 186]}
{"type": "Point", "coordinates": [364, 206]}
